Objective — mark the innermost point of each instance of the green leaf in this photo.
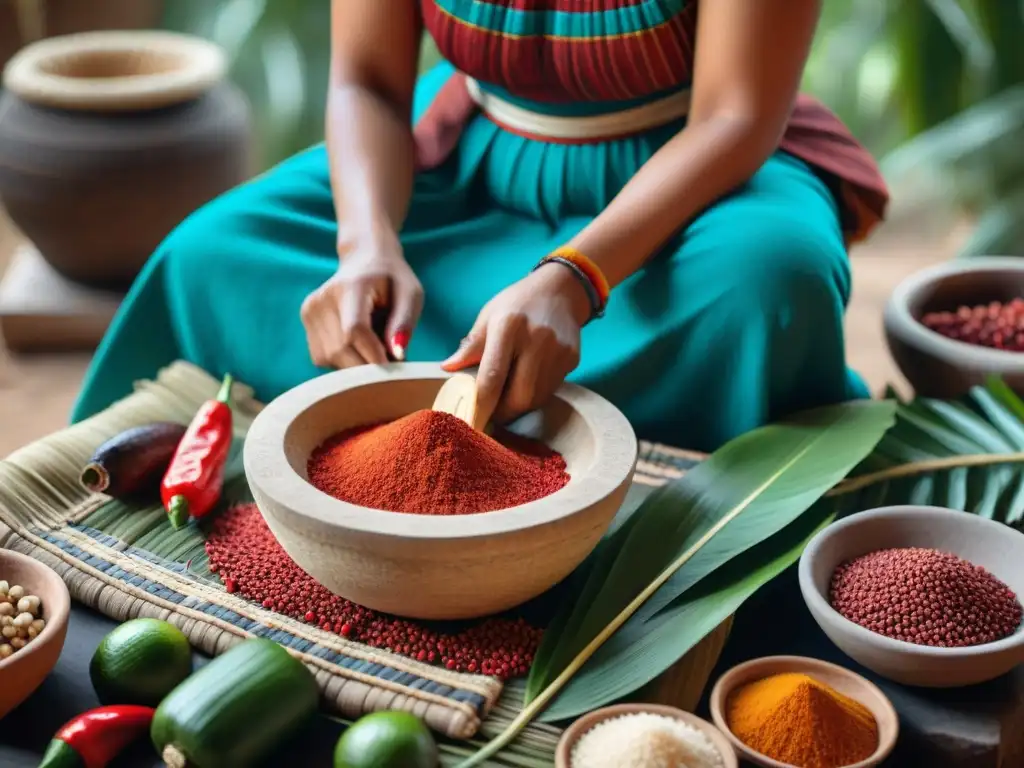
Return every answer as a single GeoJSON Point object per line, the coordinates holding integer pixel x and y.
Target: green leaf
{"type": "Point", "coordinates": [999, 230]}
{"type": "Point", "coordinates": [744, 494]}
{"type": "Point", "coordinates": [279, 54]}
{"type": "Point", "coordinates": [986, 135]}
{"type": "Point", "coordinates": [640, 651]}
{"type": "Point", "coordinates": [771, 475]}
{"type": "Point", "coordinates": [966, 455]}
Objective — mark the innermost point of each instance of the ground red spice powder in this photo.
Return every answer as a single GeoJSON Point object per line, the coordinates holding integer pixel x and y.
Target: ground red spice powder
{"type": "Point", "coordinates": [996, 325]}
{"type": "Point", "coordinates": [926, 597]}
{"type": "Point", "coordinates": [433, 463]}
{"type": "Point", "coordinates": [249, 561]}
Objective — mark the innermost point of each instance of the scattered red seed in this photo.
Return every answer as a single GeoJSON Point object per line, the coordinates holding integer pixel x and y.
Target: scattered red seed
{"type": "Point", "coordinates": [926, 597]}
{"type": "Point", "coordinates": [242, 550]}
{"type": "Point", "coordinates": [996, 325]}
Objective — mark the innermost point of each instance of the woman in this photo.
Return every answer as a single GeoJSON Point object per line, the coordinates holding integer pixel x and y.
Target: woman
{"type": "Point", "coordinates": [651, 147]}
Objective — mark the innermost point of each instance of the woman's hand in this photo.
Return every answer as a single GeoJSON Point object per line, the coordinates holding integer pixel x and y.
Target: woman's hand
{"type": "Point", "coordinates": [338, 315]}
{"type": "Point", "coordinates": [526, 340]}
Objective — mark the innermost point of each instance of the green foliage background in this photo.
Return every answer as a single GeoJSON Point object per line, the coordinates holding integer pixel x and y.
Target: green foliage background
{"type": "Point", "coordinates": [934, 87]}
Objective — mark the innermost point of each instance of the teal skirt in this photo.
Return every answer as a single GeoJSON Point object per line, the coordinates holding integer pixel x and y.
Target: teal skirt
{"type": "Point", "coordinates": [738, 321]}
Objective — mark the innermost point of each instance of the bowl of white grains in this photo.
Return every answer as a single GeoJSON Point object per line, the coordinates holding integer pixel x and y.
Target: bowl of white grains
{"type": "Point", "coordinates": [34, 608]}
{"type": "Point", "coordinates": [921, 595]}
{"type": "Point", "coordinates": [643, 736]}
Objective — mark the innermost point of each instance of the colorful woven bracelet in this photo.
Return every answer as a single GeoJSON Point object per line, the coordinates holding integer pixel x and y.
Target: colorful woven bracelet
{"type": "Point", "coordinates": [587, 272]}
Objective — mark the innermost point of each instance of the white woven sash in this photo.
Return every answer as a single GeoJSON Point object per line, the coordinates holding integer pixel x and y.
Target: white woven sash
{"type": "Point", "coordinates": [584, 128]}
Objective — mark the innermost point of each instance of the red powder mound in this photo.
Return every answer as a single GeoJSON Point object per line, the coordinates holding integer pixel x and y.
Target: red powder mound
{"type": "Point", "coordinates": [433, 463]}
{"type": "Point", "coordinates": [250, 562]}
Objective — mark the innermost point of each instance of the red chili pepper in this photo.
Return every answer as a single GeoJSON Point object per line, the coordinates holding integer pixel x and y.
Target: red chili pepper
{"type": "Point", "coordinates": [192, 484]}
{"type": "Point", "coordinates": [96, 737]}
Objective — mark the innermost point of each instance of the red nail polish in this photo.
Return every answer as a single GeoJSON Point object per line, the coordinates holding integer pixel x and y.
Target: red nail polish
{"type": "Point", "coordinates": [399, 343]}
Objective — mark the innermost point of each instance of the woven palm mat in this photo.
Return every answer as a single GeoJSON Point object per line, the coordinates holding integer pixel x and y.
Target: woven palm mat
{"type": "Point", "coordinates": [127, 561]}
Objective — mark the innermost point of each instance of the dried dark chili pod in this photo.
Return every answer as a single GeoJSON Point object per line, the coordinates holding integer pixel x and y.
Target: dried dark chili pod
{"type": "Point", "coordinates": [133, 461]}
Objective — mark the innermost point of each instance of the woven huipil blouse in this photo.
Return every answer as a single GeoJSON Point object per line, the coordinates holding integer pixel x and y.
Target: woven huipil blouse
{"type": "Point", "coordinates": [736, 321]}
{"type": "Point", "coordinates": [580, 57]}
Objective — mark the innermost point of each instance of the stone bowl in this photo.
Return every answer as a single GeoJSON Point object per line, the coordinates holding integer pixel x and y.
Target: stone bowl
{"type": "Point", "coordinates": [843, 680]}
{"type": "Point", "coordinates": [430, 566]}
{"type": "Point", "coordinates": [25, 671]}
{"type": "Point", "coordinates": [991, 545]}
{"type": "Point", "coordinates": [933, 364]}
{"type": "Point", "coordinates": [574, 732]}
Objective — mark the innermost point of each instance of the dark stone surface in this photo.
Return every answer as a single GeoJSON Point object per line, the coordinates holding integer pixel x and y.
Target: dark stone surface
{"type": "Point", "coordinates": [978, 727]}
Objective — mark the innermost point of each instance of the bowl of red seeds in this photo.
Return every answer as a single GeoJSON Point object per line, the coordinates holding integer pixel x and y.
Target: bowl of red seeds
{"type": "Point", "coordinates": [412, 512]}
{"type": "Point", "coordinates": [924, 596]}
{"type": "Point", "coordinates": [950, 326]}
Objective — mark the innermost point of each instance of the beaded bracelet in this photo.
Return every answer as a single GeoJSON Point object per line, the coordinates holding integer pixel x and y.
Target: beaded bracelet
{"type": "Point", "coordinates": [587, 272]}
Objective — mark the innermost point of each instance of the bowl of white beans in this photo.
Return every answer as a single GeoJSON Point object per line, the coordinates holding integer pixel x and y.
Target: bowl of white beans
{"type": "Point", "coordinates": [34, 608]}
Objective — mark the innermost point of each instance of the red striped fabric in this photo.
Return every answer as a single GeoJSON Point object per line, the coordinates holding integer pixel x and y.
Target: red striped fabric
{"type": "Point", "coordinates": [620, 67]}
{"type": "Point", "coordinates": [567, 6]}
{"type": "Point", "coordinates": [558, 70]}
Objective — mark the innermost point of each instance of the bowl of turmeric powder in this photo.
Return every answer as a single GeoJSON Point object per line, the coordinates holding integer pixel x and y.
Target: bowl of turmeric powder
{"type": "Point", "coordinates": [796, 712]}
{"type": "Point", "coordinates": [412, 512]}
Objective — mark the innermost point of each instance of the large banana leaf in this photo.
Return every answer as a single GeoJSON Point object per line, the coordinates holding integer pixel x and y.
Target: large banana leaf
{"type": "Point", "coordinates": [999, 230]}
{"type": "Point", "coordinates": [965, 455]}
{"type": "Point", "coordinates": [1003, 23]}
{"type": "Point", "coordinates": [966, 156]}
{"type": "Point", "coordinates": [689, 556]}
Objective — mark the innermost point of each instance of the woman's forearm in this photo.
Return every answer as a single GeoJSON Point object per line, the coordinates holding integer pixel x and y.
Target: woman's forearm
{"type": "Point", "coordinates": [745, 82]}
{"type": "Point", "coordinates": [374, 54]}
{"type": "Point", "coordinates": [695, 168]}
{"type": "Point", "coordinates": [369, 143]}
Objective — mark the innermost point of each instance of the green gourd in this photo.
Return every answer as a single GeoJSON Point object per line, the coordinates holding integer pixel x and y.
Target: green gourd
{"type": "Point", "coordinates": [236, 710]}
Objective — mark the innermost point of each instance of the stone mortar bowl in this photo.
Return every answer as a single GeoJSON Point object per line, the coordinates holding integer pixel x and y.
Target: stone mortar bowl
{"type": "Point", "coordinates": [430, 566]}
{"type": "Point", "coordinates": [944, 368]}
{"type": "Point", "coordinates": [993, 546]}
{"type": "Point", "coordinates": [25, 671]}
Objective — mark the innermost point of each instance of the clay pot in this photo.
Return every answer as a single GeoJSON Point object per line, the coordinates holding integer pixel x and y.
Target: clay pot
{"type": "Point", "coordinates": [64, 17]}
{"type": "Point", "coordinates": [109, 139]}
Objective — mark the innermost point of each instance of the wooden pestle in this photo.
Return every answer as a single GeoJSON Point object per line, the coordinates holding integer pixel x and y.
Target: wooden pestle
{"type": "Point", "coordinates": [457, 396]}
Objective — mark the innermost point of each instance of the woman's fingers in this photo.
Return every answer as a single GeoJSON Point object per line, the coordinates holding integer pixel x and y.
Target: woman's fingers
{"type": "Point", "coordinates": [356, 316]}
{"type": "Point", "coordinates": [318, 336]}
{"type": "Point", "coordinates": [468, 354]}
{"type": "Point", "coordinates": [527, 385]}
{"type": "Point", "coordinates": [406, 305]}
{"type": "Point", "coordinates": [495, 365]}
{"type": "Point", "coordinates": [367, 345]}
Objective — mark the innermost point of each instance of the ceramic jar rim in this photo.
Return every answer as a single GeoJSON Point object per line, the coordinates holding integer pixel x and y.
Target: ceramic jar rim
{"type": "Point", "coordinates": [203, 65]}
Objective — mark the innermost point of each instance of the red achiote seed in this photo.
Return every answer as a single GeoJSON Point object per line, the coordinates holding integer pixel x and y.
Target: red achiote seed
{"type": "Point", "coordinates": [268, 577]}
{"type": "Point", "coordinates": [949, 601]}
{"type": "Point", "coordinates": [996, 325]}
